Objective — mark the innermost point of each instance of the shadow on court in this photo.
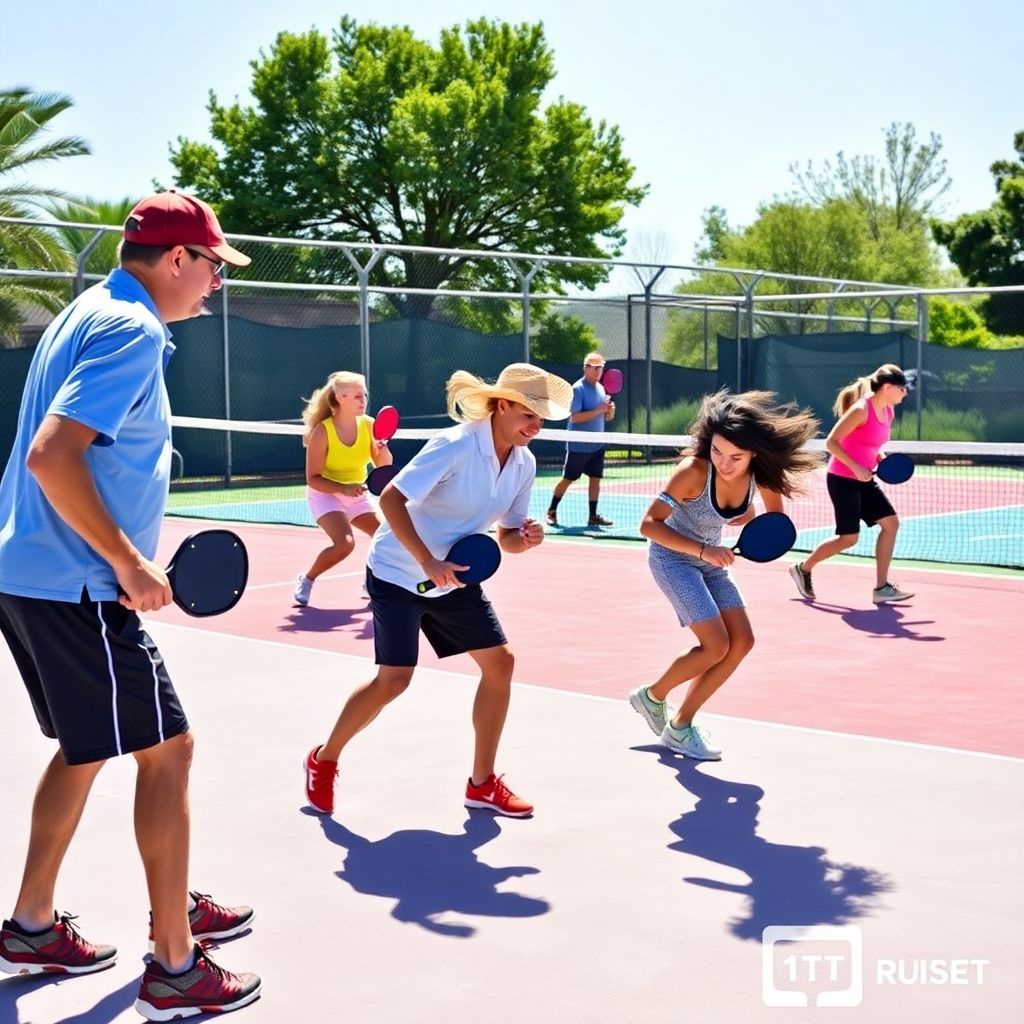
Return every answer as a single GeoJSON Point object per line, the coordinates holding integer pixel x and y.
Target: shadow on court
{"type": "Point", "coordinates": [108, 1009]}
{"type": "Point", "coordinates": [356, 623]}
{"type": "Point", "coordinates": [793, 885]}
{"type": "Point", "coordinates": [884, 621]}
{"type": "Point", "coordinates": [432, 873]}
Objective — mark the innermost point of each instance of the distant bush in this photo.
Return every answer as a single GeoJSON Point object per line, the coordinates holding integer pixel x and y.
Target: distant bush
{"type": "Point", "coordinates": [961, 325]}
{"type": "Point", "coordinates": [940, 423]}
{"type": "Point", "coordinates": [670, 419]}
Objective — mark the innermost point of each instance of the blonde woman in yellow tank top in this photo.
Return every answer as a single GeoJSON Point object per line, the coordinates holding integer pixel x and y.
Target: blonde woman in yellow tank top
{"type": "Point", "coordinates": [339, 446]}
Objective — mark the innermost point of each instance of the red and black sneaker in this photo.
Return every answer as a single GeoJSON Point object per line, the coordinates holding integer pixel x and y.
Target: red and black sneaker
{"type": "Point", "coordinates": [493, 794]}
{"type": "Point", "coordinates": [59, 950]}
{"type": "Point", "coordinates": [203, 988]}
{"type": "Point", "coordinates": [320, 776]}
{"type": "Point", "coordinates": [210, 920]}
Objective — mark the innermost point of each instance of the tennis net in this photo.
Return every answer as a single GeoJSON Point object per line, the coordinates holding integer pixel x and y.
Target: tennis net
{"type": "Point", "coordinates": [964, 503]}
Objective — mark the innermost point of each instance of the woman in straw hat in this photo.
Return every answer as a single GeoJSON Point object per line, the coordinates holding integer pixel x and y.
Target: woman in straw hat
{"type": "Point", "coordinates": [464, 480]}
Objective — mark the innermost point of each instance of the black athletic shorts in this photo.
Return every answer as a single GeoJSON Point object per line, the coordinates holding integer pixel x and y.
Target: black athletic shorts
{"type": "Point", "coordinates": [853, 501]}
{"type": "Point", "coordinates": [578, 464]}
{"type": "Point", "coordinates": [97, 682]}
{"type": "Point", "coordinates": [459, 621]}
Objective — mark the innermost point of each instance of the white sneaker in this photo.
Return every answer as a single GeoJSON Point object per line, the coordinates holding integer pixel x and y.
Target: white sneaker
{"type": "Point", "coordinates": [692, 741]}
{"type": "Point", "coordinates": [303, 586]}
{"type": "Point", "coordinates": [890, 593]}
{"type": "Point", "coordinates": [656, 713]}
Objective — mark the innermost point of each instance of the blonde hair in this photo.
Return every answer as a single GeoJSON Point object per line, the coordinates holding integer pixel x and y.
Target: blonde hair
{"type": "Point", "coordinates": [862, 387]}
{"type": "Point", "coordinates": [467, 398]}
{"type": "Point", "coordinates": [322, 404]}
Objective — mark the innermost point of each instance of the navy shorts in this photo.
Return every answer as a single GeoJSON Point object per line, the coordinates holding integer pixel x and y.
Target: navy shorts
{"type": "Point", "coordinates": [97, 682]}
{"type": "Point", "coordinates": [579, 463]}
{"type": "Point", "coordinates": [462, 620]}
{"type": "Point", "coordinates": [853, 501]}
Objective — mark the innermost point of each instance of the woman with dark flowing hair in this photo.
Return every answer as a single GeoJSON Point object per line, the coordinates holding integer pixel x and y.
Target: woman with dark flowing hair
{"type": "Point", "coordinates": [741, 444]}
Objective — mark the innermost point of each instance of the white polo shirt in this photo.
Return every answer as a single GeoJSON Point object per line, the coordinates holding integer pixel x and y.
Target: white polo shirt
{"type": "Point", "coordinates": [455, 487]}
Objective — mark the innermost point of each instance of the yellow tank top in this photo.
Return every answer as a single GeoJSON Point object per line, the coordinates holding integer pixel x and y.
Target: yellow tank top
{"type": "Point", "coordinates": [346, 464]}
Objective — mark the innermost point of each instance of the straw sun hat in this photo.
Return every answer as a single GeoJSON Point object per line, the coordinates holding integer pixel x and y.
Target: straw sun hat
{"type": "Point", "coordinates": [550, 397]}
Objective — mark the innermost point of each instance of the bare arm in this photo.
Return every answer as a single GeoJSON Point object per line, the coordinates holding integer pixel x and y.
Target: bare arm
{"type": "Point", "coordinates": [56, 459]}
{"type": "Point", "coordinates": [516, 540]}
{"type": "Point", "coordinates": [772, 500]}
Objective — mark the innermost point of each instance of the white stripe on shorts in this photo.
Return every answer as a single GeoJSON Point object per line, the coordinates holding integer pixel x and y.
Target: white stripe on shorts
{"type": "Point", "coordinates": [113, 678]}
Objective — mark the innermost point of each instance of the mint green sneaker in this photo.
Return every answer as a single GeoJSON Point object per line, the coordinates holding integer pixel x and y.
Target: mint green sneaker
{"type": "Point", "coordinates": [691, 741]}
{"type": "Point", "coordinates": [656, 713]}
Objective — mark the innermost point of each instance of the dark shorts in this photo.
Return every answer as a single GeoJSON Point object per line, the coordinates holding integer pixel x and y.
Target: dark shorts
{"type": "Point", "coordinates": [454, 623]}
{"type": "Point", "coordinates": [579, 463]}
{"type": "Point", "coordinates": [853, 501]}
{"type": "Point", "coordinates": [97, 681]}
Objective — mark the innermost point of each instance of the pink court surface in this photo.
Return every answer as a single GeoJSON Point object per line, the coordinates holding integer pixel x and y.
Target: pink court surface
{"type": "Point", "coordinates": [869, 799]}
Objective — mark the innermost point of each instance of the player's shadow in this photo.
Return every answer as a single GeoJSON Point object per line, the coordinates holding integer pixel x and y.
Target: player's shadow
{"type": "Point", "coordinates": [792, 885]}
{"type": "Point", "coordinates": [354, 622]}
{"type": "Point", "coordinates": [883, 621]}
{"type": "Point", "coordinates": [429, 874]}
{"type": "Point", "coordinates": [109, 1008]}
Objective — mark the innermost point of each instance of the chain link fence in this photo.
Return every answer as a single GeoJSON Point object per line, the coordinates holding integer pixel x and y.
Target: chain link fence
{"type": "Point", "coordinates": [409, 317]}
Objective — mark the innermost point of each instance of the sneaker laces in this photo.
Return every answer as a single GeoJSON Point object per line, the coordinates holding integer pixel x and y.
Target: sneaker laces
{"type": "Point", "coordinates": [74, 935]}
{"type": "Point", "coordinates": [213, 966]}
{"type": "Point", "coordinates": [500, 789]}
{"type": "Point", "coordinates": [202, 897]}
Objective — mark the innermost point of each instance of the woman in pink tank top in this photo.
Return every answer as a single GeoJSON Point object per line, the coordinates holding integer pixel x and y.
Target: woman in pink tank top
{"type": "Point", "coordinates": [855, 443]}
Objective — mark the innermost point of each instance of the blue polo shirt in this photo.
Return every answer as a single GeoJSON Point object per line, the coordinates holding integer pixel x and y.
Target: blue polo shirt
{"type": "Point", "coordinates": [584, 398]}
{"type": "Point", "coordinates": [101, 363]}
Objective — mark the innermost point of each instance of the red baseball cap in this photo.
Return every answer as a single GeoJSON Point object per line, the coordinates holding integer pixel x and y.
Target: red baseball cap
{"type": "Point", "coordinates": [173, 218]}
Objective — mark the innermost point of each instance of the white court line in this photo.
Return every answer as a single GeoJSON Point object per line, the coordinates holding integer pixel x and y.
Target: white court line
{"type": "Point", "coordinates": [291, 583]}
{"type": "Point", "coordinates": [612, 700]}
{"type": "Point", "coordinates": [630, 547]}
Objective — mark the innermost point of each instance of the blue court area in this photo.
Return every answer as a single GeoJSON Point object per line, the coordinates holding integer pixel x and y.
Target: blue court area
{"type": "Point", "coordinates": [990, 536]}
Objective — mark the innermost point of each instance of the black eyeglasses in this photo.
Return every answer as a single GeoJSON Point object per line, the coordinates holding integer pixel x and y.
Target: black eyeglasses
{"type": "Point", "coordinates": [218, 265]}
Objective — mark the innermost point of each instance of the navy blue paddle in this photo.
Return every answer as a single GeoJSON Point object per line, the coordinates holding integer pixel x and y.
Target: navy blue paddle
{"type": "Point", "coordinates": [895, 469]}
{"type": "Point", "coordinates": [379, 478]}
{"type": "Point", "coordinates": [208, 572]}
{"type": "Point", "coordinates": [766, 537]}
{"type": "Point", "coordinates": [480, 552]}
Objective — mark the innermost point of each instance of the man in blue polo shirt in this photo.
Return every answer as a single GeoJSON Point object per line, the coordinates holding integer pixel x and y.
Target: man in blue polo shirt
{"type": "Point", "coordinates": [81, 503]}
{"type": "Point", "coordinates": [591, 409]}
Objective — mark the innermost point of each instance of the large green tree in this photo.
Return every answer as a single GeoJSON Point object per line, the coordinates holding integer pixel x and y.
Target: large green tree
{"type": "Point", "coordinates": [25, 144]}
{"type": "Point", "coordinates": [376, 136]}
{"type": "Point", "coordinates": [988, 246]}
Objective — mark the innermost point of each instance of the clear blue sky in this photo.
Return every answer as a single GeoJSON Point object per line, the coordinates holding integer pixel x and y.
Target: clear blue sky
{"type": "Point", "coordinates": [714, 100]}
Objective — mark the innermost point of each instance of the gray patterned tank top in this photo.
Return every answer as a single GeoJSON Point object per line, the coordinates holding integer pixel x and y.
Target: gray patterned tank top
{"type": "Point", "coordinates": [698, 519]}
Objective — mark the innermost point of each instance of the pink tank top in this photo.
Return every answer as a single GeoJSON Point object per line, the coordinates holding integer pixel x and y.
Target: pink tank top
{"type": "Point", "coordinates": [863, 443]}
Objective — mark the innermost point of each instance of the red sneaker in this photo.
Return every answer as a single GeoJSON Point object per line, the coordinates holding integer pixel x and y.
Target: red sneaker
{"type": "Point", "coordinates": [60, 950]}
{"type": "Point", "coordinates": [495, 795]}
{"type": "Point", "coordinates": [320, 776]}
{"type": "Point", "coordinates": [205, 988]}
{"type": "Point", "coordinates": [210, 920]}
